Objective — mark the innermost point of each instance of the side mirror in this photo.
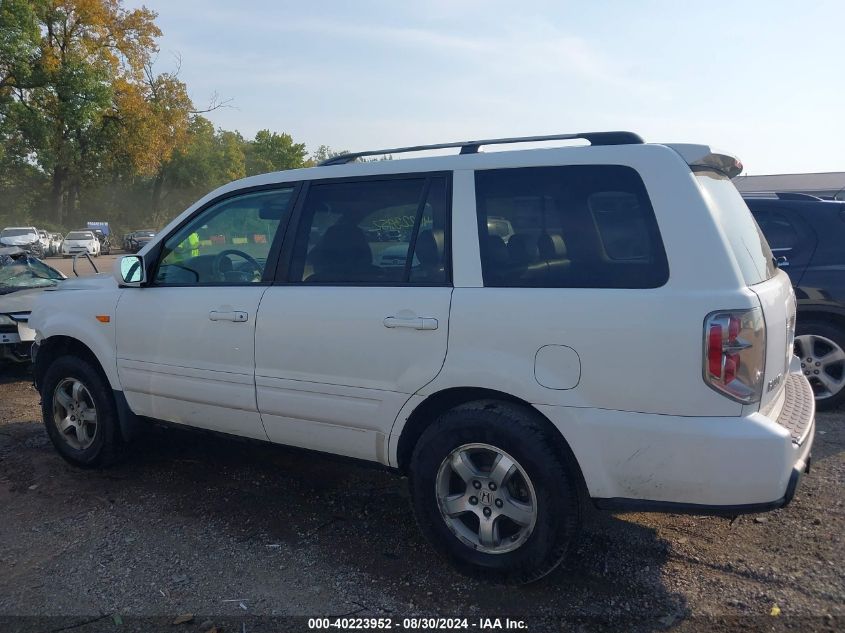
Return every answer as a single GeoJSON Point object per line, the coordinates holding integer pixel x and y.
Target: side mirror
{"type": "Point", "coordinates": [129, 271]}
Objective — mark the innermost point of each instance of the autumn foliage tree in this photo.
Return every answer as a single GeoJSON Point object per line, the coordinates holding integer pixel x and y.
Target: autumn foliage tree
{"type": "Point", "coordinates": [63, 89]}
{"type": "Point", "coordinates": [89, 130]}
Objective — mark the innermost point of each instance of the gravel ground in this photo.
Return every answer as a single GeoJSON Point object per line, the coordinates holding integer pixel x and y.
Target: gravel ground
{"type": "Point", "coordinates": [230, 531]}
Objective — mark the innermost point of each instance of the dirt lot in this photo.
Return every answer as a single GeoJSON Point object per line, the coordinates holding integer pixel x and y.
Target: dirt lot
{"type": "Point", "coordinates": [103, 263]}
{"type": "Point", "coordinates": [228, 531]}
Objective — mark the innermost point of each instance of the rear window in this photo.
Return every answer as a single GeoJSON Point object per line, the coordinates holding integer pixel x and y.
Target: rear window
{"type": "Point", "coordinates": [17, 232]}
{"type": "Point", "coordinates": [576, 226]}
{"type": "Point", "coordinates": [749, 246]}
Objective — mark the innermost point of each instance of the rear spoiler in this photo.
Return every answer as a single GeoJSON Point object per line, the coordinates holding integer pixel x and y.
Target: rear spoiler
{"type": "Point", "coordinates": [702, 157]}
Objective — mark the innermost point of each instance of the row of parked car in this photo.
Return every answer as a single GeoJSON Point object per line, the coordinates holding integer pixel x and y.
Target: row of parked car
{"type": "Point", "coordinates": [41, 243]}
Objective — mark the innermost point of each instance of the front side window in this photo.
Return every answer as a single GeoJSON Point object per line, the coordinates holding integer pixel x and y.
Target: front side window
{"type": "Point", "coordinates": [580, 226]}
{"type": "Point", "coordinates": [227, 243]}
{"type": "Point", "coordinates": [373, 232]}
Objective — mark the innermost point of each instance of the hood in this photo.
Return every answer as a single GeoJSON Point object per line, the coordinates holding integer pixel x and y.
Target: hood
{"type": "Point", "coordinates": [19, 301]}
{"type": "Point", "coordinates": [99, 281]}
{"type": "Point", "coordinates": [87, 240]}
{"type": "Point", "coordinates": [19, 240]}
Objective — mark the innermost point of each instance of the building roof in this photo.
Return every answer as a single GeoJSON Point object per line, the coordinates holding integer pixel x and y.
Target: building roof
{"type": "Point", "coordinates": [831, 181]}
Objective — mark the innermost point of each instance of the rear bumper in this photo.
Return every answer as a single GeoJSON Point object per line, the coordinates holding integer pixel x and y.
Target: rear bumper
{"type": "Point", "coordinates": [636, 462]}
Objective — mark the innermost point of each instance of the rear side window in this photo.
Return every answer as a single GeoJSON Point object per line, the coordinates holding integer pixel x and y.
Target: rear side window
{"type": "Point", "coordinates": [749, 246]}
{"type": "Point", "coordinates": [579, 226]}
{"type": "Point", "coordinates": [779, 231]}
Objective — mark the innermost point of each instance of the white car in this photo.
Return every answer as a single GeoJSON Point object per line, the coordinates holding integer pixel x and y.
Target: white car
{"type": "Point", "coordinates": [80, 242]}
{"type": "Point", "coordinates": [24, 237]}
{"type": "Point", "coordinates": [629, 345]}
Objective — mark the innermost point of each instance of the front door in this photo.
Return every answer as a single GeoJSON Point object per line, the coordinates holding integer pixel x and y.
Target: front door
{"type": "Point", "coordinates": [185, 342]}
{"type": "Point", "coordinates": [362, 322]}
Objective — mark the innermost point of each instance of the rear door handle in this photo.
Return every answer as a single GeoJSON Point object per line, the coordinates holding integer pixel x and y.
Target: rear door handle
{"type": "Point", "coordinates": [415, 323]}
{"type": "Point", "coordinates": [236, 316]}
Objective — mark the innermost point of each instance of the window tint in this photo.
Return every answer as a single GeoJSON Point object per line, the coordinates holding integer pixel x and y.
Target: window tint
{"type": "Point", "coordinates": [229, 242]}
{"type": "Point", "coordinates": [779, 231]}
{"type": "Point", "coordinates": [579, 226]}
{"type": "Point", "coordinates": [749, 247]}
{"type": "Point", "coordinates": [373, 232]}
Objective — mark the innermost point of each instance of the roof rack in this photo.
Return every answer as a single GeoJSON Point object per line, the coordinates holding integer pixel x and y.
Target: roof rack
{"type": "Point", "coordinates": [472, 147]}
{"type": "Point", "coordinates": [794, 195]}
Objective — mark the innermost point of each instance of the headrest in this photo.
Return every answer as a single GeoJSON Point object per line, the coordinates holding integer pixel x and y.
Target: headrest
{"type": "Point", "coordinates": [551, 246]}
{"type": "Point", "coordinates": [522, 249]}
{"type": "Point", "coordinates": [343, 245]}
{"type": "Point", "coordinates": [497, 251]}
{"type": "Point", "coordinates": [429, 247]}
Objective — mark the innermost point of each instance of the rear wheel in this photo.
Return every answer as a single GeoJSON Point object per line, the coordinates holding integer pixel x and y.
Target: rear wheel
{"type": "Point", "coordinates": [80, 414]}
{"type": "Point", "coordinates": [821, 348]}
{"type": "Point", "coordinates": [492, 494]}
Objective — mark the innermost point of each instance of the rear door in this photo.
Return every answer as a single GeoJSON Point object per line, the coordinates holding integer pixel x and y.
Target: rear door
{"type": "Point", "coordinates": [359, 320]}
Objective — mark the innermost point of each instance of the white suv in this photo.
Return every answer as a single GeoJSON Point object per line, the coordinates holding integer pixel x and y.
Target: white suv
{"type": "Point", "coordinates": [626, 341]}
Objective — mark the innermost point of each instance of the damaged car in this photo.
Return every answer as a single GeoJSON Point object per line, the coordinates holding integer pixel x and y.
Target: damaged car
{"type": "Point", "coordinates": [22, 278]}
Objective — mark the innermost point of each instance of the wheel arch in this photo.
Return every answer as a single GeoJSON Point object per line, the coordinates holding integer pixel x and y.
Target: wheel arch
{"type": "Point", "coordinates": [427, 411]}
{"type": "Point", "coordinates": [832, 317]}
{"type": "Point", "coordinates": [61, 345]}
{"type": "Point", "coordinates": [55, 346]}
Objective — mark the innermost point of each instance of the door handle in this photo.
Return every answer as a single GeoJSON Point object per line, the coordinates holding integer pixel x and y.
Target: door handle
{"type": "Point", "coordinates": [236, 316]}
{"type": "Point", "coordinates": [415, 323]}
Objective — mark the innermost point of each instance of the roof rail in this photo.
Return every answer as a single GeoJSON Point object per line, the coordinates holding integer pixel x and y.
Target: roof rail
{"type": "Point", "coordinates": [472, 147]}
{"type": "Point", "coordinates": [794, 195]}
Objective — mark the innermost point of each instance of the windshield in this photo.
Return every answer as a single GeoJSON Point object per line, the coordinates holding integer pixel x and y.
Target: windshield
{"type": "Point", "coordinates": [17, 232]}
{"type": "Point", "coordinates": [19, 272]}
{"type": "Point", "coordinates": [750, 248]}
{"type": "Point", "coordinates": [79, 235]}
{"type": "Point", "coordinates": [145, 234]}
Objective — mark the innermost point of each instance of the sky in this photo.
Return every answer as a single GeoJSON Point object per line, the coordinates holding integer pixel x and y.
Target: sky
{"type": "Point", "coordinates": [760, 79]}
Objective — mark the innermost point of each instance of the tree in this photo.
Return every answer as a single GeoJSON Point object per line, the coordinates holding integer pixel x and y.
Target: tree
{"type": "Point", "coordinates": [209, 159]}
{"type": "Point", "coordinates": [63, 98]}
{"type": "Point", "coordinates": [273, 152]}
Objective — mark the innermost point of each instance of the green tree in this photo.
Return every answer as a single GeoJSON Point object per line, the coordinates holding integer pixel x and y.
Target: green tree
{"type": "Point", "coordinates": [61, 99]}
{"type": "Point", "coordinates": [273, 152]}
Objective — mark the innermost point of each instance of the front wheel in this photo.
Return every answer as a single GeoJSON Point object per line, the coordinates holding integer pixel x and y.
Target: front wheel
{"type": "Point", "coordinates": [80, 413]}
{"type": "Point", "coordinates": [493, 494]}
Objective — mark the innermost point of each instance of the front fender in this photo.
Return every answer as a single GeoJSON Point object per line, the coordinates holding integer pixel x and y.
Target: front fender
{"type": "Point", "coordinates": [73, 314]}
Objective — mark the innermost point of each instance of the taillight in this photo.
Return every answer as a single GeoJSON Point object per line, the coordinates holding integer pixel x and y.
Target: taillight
{"type": "Point", "coordinates": [735, 353]}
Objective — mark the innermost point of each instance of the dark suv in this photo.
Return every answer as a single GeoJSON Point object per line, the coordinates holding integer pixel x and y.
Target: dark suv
{"type": "Point", "coordinates": [807, 236]}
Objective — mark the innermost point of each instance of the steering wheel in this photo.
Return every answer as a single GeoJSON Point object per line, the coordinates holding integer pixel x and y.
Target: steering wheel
{"type": "Point", "coordinates": [216, 264]}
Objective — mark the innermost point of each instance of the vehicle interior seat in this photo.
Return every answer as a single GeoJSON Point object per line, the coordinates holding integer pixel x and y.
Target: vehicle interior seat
{"type": "Point", "coordinates": [429, 250]}
{"type": "Point", "coordinates": [496, 259]}
{"type": "Point", "coordinates": [343, 254]}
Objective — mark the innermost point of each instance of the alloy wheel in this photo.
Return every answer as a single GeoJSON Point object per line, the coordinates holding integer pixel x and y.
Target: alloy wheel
{"type": "Point", "coordinates": [823, 364]}
{"type": "Point", "coordinates": [486, 498]}
{"type": "Point", "coordinates": [74, 413]}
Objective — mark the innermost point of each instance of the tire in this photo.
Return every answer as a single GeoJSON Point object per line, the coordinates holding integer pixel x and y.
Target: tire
{"type": "Point", "coordinates": [543, 481]}
{"type": "Point", "coordinates": [821, 341]}
{"type": "Point", "coordinates": [106, 445]}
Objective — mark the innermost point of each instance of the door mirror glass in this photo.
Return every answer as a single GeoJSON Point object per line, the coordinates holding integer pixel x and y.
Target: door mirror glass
{"type": "Point", "coordinates": [130, 269]}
